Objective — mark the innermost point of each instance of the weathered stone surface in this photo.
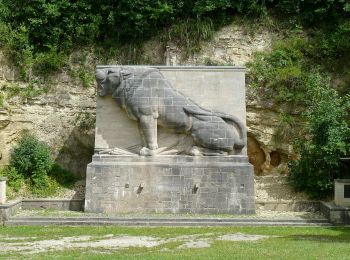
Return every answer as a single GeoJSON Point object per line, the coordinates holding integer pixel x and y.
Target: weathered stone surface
{"type": "Point", "coordinates": [230, 45]}
{"type": "Point", "coordinates": [3, 190]}
{"type": "Point", "coordinates": [234, 45]}
{"type": "Point", "coordinates": [4, 118]}
{"type": "Point", "coordinates": [56, 204]}
{"type": "Point", "coordinates": [127, 182]}
{"type": "Point", "coordinates": [54, 118]}
{"type": "Point", "coordinates": [275, 188]}
{"type": "Point", "coordinates": [9, 209]}
{"type": "Point", "coordinates": [269, 151]}
{"type": "Point", "coordinates": [150, 99]}
{"type": "Point", "coordinates": [170, 184]}
{"type": "Point", "coordinates": [214, 88]}
{"type": "Point", "coordinates": [338, 215]}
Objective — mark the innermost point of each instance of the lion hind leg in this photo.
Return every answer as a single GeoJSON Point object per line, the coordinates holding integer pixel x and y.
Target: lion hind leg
{"type": "Point", "coordinates": [213, 134]}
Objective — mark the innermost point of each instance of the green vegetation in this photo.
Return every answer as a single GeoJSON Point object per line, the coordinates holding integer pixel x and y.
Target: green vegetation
{"type": "Point", "coordinates": [32, 160]}
{"type": "Point", "coordinates": [326, 139]}
{"type": "Point", "coordinates": [85, 120]}
{"type": "Point", "coordinates": [2, 100]}
{"type": "Point", "coordinates": [282, 243]}
{"type": "Point", "coordinates": [32, 168]}
{"type": "Point", "coordinates": [39, 35]}
{"type": "Point", "coordinates": [190, 33]}
{"type": "Point", "coordinates": [31, 89]}
{"type": "Point", "coordinates": [297, 74]}
{"type": "Point", "coordinates": [305, 73]}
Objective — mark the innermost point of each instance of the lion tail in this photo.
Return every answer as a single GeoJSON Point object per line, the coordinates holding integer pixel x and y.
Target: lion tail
{"type": "Point", "coordinates": [242, 130]}
{"type": "Point", "coordinates": [230, 119]}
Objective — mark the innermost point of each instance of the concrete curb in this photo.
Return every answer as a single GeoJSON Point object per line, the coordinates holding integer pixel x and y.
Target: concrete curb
{"type": "Point", "coordinates": [161, 222]}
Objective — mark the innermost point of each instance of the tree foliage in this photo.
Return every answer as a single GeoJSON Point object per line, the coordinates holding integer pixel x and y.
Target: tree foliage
{"type": "Point", "coordinates": [34, 28]}
{"type": "Point", "coordinates": [297, 72]}
{"type": "Point", "coordinates": [326, 139]}
{"type": "Point", "coordinates": [38, 35]}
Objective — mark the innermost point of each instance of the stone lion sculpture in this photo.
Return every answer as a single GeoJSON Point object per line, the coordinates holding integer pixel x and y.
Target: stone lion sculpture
{"type": "Point", "coordinates": [149, 98]}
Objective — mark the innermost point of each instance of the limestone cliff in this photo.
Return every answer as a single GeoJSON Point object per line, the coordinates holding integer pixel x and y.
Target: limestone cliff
{"type": "Point", "coordinates": [63, 115]}
{"type": "Point", "coordinates": [58, 116]}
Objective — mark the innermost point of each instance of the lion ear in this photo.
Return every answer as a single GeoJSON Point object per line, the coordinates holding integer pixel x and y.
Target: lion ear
{"type": "Point", "coordinates": [110, 71]}
{"type": "Point", "coordinates": [124, 74]}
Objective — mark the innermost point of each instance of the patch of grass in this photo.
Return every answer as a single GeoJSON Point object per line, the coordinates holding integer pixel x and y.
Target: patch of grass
{"type": "Point", "coordinates": [61, 176]}
{"type": "Point", "coordinates": [2, 100]}
{"type": "Point", "coordinates": [188, 34]}
{"type": "Point", "coordinates": [49, 62]}
{"type": "Point", "coordinates": [31, 89]}
{"type": "Point", "coordinates": [85, 120]}
{"type": "Point", "coordinates": [86, 77]}
{"type": "Point", "coordinates": [81, 69]}
{"type": "Point", "coordinates": [284, 243]}
{"type": "Point", "coordinates": [11, 89]}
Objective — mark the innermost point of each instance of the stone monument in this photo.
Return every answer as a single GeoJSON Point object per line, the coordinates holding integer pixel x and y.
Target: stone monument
{"type": "Point", "coordinates": [170, 140]}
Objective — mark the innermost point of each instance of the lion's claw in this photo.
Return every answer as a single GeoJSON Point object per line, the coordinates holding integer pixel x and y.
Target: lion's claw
{"type": "Point", "coordinates": [147, 152]}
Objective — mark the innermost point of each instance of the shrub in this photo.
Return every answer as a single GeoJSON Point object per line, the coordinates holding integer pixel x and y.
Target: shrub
{"type": "Point", "coordinates": [48, 62]}
{"type": "Point", "coordinates": [189, 34]}
{"type": "Point", "coordinates": [293, 74]}
{"type": "Point", "coordinates": [281, 75]}
{"type": "Point", "coordinates": [14, 179]}
{"type": "Point", "coordinates": [51, 187]}
{"type": "Point", "coordinates": [31, 159]}
{"type": "Point", "coordinates": [85, 120]}
{"type": "Point", "coordinates": [63, 177]}
{"type": "Point", "coordinates": [326, 139]}
{"type": "Point", "coordinates": [30, 29]}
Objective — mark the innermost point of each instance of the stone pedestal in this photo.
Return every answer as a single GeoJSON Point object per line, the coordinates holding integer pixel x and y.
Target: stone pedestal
{"type": "Point", "coordinates": [126, 182]}
{"type": "Point", "coordinates": [170, 184]}
{"type": "Point", "coordinates": [3, 190]}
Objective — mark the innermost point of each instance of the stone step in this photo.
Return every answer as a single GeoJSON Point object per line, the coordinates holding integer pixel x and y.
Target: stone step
{"type": "Point", "coordinates": [71, 221]}
{"type": "Point", "coordinates": [154, 219]}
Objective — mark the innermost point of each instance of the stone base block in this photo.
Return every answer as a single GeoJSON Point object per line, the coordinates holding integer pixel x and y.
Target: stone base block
{"type": "Point", "coordinates": [170, 184]}
{"type": "Point", "coordinates": [338, 215]}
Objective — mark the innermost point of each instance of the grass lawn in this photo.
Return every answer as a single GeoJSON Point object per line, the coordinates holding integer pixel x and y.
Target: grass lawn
{"type": "Point", "coordinates": [174, 243]}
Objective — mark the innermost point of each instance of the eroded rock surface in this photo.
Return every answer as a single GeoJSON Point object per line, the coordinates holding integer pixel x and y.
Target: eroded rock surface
{"type": "Point", "coordinates": [54, 116]}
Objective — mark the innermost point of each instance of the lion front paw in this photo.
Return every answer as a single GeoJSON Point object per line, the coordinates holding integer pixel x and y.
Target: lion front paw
{"type": "Point", "coordinates": [147, 152]}
{"type": "Point", "coordinates": [195, 151]}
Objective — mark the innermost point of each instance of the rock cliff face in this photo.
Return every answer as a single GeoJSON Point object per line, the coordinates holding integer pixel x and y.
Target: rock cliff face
{"type": "Point", "coordinates": [233, 45]}
{"type": "Point", "coordinates": [58, 117]}
{"type": "Point", "coordinates": [63, 117]}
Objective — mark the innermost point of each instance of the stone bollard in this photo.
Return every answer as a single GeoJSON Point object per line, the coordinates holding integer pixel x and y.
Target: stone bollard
{"type": "Point", "coordinates": [3, 190]}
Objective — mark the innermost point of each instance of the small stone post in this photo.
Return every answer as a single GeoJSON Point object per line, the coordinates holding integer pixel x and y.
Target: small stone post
{"type": "Point", "coordinates": [3, 190]}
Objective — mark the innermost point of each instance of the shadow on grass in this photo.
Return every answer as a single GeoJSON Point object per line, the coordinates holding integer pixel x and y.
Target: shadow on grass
{"type": "Point", "coordinates": [341, 235]}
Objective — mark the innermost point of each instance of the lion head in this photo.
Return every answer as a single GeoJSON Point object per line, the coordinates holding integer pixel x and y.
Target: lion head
{"type": "Point", "coordinates": [107, 81]}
